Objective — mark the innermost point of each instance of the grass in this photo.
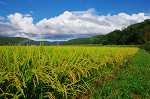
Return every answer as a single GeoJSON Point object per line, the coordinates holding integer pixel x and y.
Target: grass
{"type": "Point", "coordinates": [132, 81]}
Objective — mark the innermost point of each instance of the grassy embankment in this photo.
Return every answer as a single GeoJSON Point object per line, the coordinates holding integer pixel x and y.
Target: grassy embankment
{"type": "Point", "coordinates": [132, 81]}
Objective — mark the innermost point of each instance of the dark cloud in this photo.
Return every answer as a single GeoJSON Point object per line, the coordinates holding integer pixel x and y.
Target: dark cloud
{"type": "Point", "coordinates": [63, 37]}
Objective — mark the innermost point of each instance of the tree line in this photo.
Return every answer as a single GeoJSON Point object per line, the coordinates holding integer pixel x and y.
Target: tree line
{"type": "Point", "coordinates": [80, 41]}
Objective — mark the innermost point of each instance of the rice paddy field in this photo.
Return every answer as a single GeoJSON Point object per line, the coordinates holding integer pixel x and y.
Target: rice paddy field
{"type": "Point", "coordinates": [56, 71]}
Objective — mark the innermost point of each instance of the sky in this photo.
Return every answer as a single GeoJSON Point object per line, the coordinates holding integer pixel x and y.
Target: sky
{"type": "Point", "coordinates": [61, 20]}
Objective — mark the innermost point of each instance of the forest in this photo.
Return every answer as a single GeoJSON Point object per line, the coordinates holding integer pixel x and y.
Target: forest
{"type": "Point", "coordinates": [134, 34]}
{"type": "Point", "coordinates": [80, 41]}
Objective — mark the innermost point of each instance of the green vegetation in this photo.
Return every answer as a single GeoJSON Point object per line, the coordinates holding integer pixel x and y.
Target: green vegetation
{"type": "Point", "coordinates": [46, 43]}
{"type": "Point", "coordinates": [10, 40]}
{"type": "Point", "coordinates": [56, 71]}
{"type": "Point", "coordinates": [138, 33]}
{"type": "Point", "coordinates": [81, 41]}
{"type": "Point", "coordinates": [131, 81]}
{"type": "Point", "coordinates": [18, 40]}
{"type": "Point", "coordinates": [70, 71]}
{"type": "Point", "coordinates": [146, 46]}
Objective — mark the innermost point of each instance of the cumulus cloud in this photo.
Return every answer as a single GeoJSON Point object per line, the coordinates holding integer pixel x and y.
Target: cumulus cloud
{"type": "Point", "coordinates": [87, 22]}
{"type": "Point", "coordinates": [10, 30]}
{"type": "Point", "coordinates": [7, 29]}
{"type": "Point", "coordinates": [23, 22]}
{"type": "Point", "coordinates": [74, 23]}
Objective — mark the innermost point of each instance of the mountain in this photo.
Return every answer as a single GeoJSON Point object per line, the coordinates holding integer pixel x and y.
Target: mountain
{"type": "Point", "coordinates": [138, 33]}
{"type": "Point", "coordinates": [22, 41]}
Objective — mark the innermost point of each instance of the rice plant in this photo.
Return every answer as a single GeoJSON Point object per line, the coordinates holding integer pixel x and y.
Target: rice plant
{"type": "Point", "coordinates": [56, 71]}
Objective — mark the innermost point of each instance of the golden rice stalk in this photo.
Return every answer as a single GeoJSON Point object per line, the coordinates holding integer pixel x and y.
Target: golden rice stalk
{"type": "Point", "coordinates": [37, 78]}
{"type": "Point", "coordinates": [18, 84]}
{"type": "Point", "coordinates": [49, 95]}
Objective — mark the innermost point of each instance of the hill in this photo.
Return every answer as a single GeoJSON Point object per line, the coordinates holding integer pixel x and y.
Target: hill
{"type": "Point", "coordinates": [138, 33]}
{"type": "Point", "coordinates": [79, 41]}
{"type": "Point", "coordinates": [18, 40]}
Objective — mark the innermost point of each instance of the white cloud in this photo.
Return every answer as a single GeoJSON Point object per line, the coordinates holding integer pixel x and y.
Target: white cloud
{"type": "Point", "coordinates": [8, 29]}
{"type": "Point", "coordinates": [87, 22]}
{"type": "Point", "coordinates": [2, 18]}
{"type": "Point", "coordinates": [77, 22]}
{"type": "Point", "coordinates": [23, 22]}
{"type": "Point", "coordinates": [27, 15]}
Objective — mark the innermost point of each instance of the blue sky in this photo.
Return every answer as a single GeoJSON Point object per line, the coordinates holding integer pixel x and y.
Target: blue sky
{"type": "Point", "coordinates": [51, 8]}
{"type": "Point", "coordinates": [47, 15]}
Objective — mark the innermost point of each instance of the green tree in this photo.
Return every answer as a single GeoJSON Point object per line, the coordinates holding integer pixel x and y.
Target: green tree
{"type": "Point", "coordinates": [146, 34]}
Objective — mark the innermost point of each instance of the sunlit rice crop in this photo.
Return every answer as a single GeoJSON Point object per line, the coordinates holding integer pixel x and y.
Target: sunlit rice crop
{"type": "Point", "coordinates": [56, 71]}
